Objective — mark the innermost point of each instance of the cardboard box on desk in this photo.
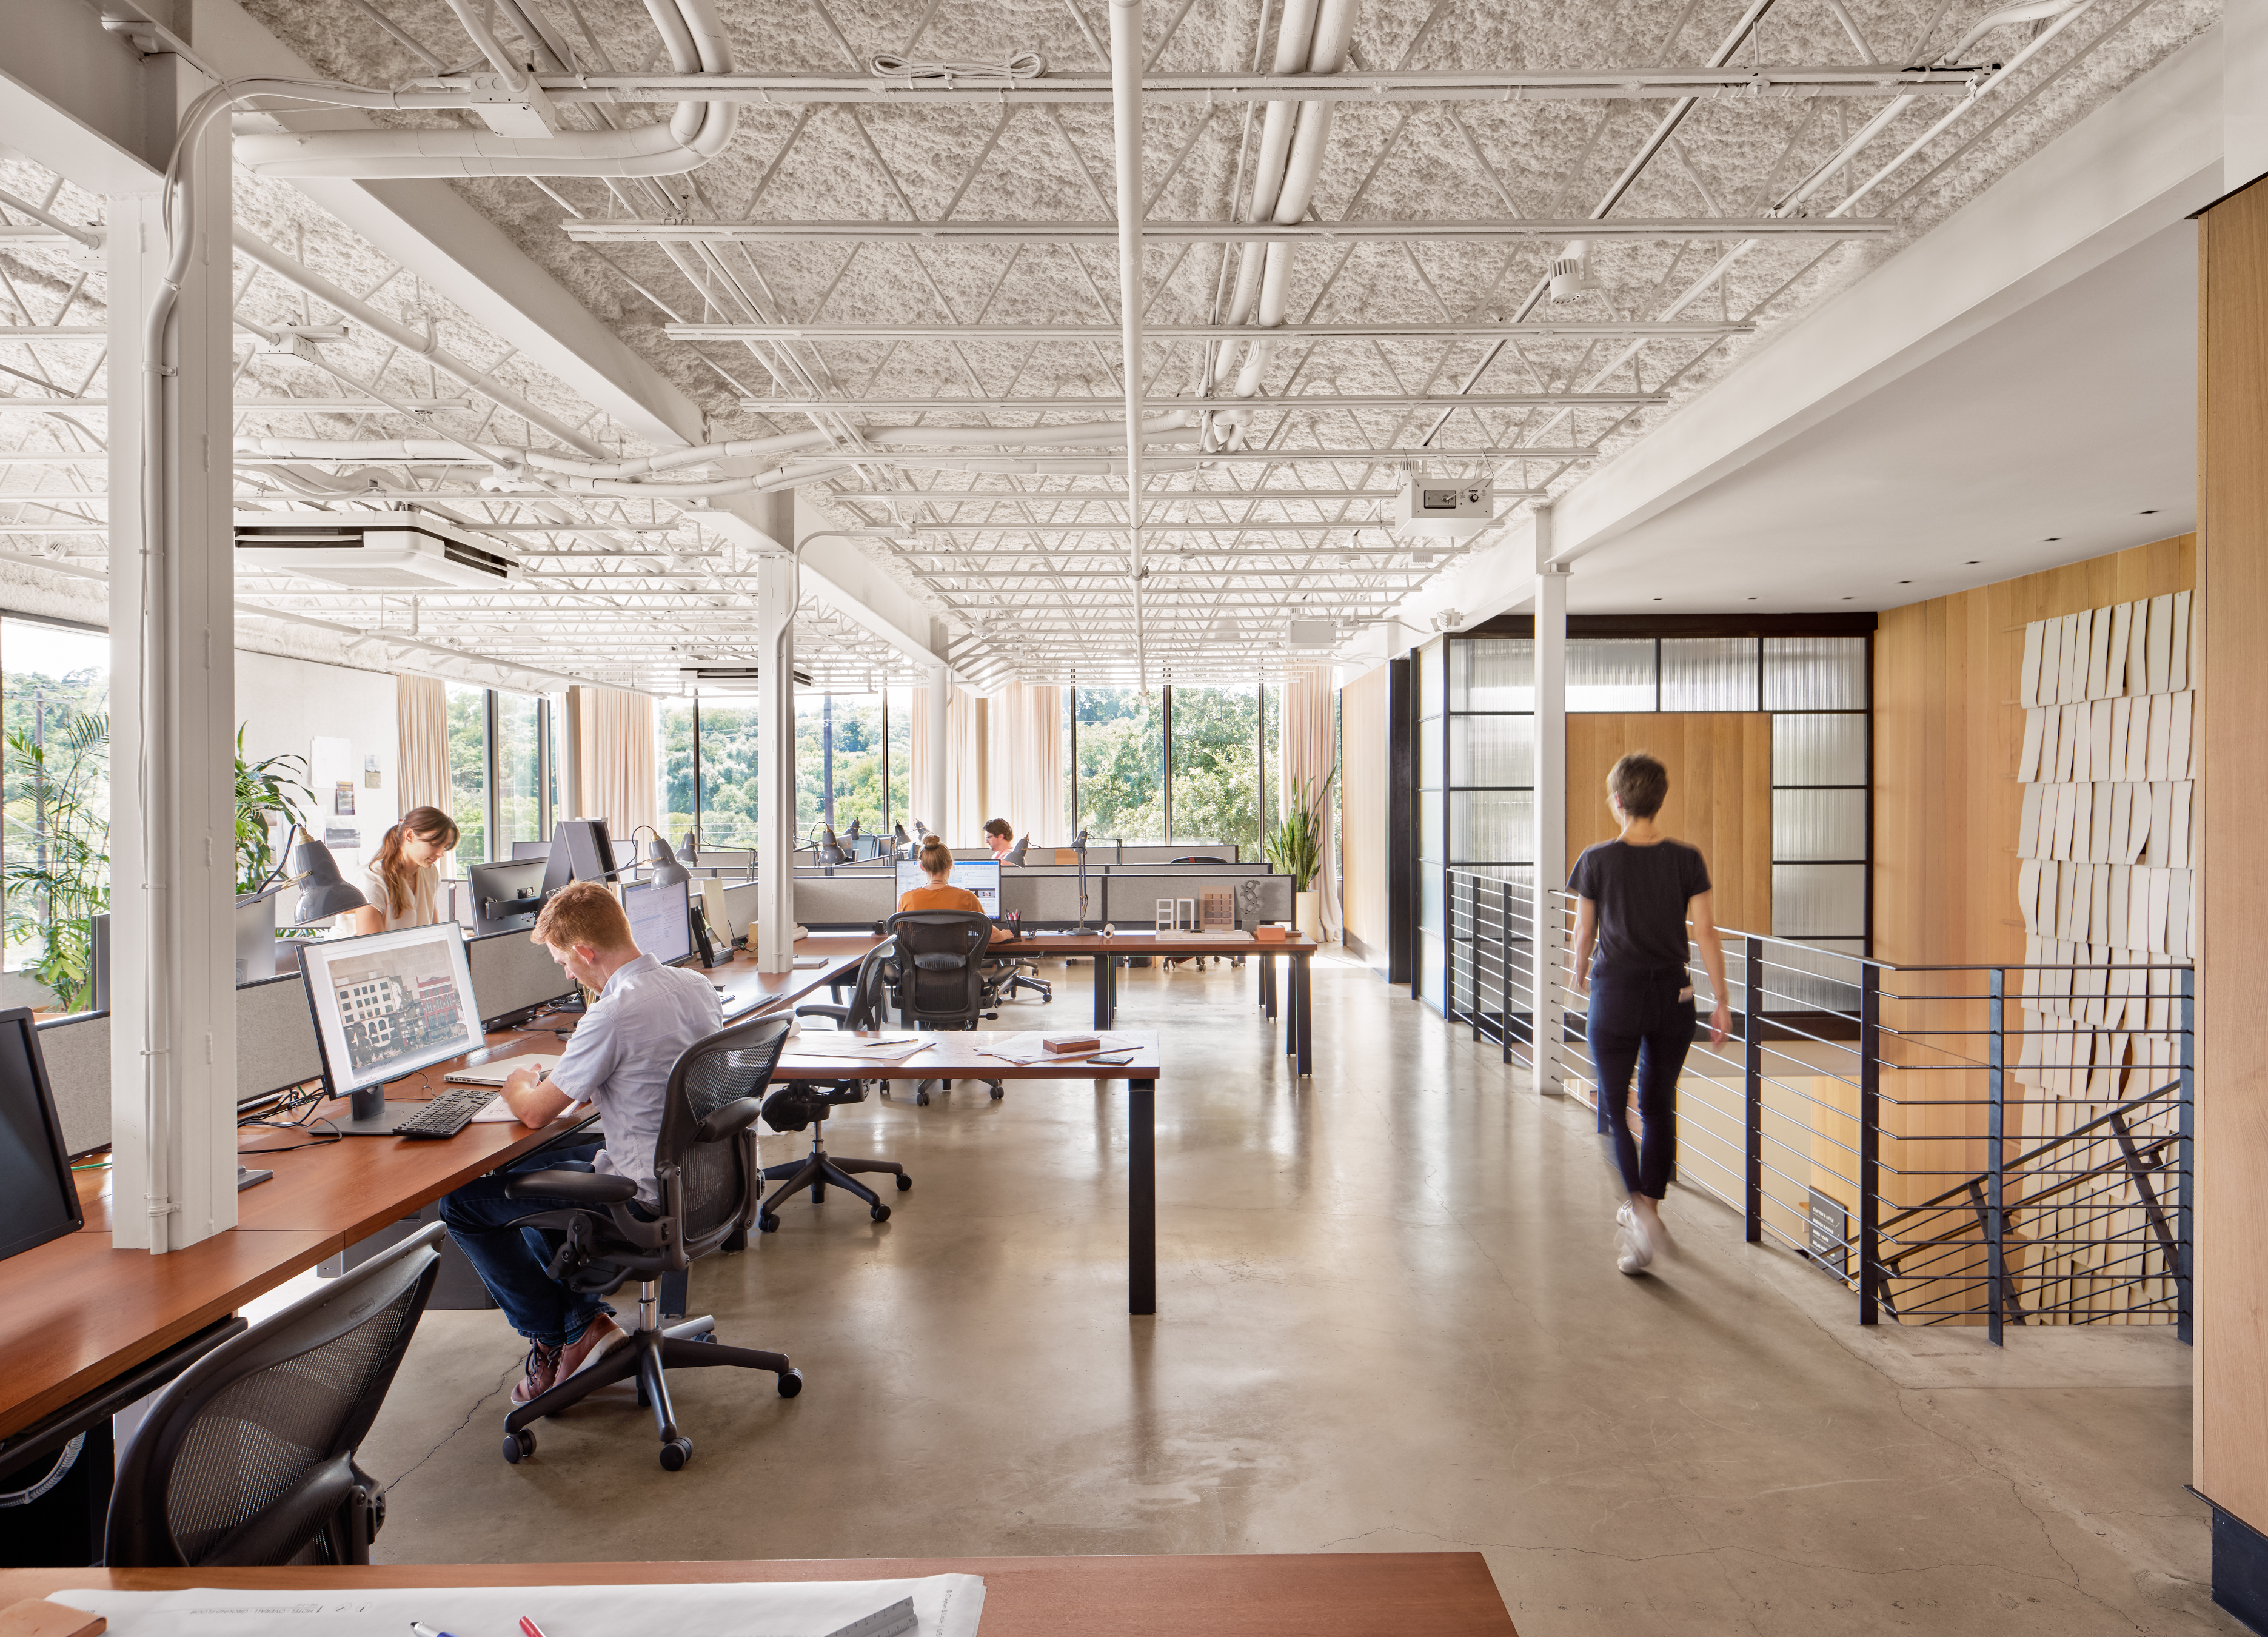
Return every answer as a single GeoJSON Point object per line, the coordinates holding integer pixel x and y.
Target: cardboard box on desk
{"type": "Point", "coordinates": [1271, 932]}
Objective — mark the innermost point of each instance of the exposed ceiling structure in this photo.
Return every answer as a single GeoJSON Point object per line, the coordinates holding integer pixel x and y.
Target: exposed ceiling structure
{"type": "Point", "coordinates": [881, 247]}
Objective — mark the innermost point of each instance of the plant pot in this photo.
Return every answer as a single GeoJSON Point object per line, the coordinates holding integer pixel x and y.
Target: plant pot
{"type": "Point", "coordinates": [1308, 915]}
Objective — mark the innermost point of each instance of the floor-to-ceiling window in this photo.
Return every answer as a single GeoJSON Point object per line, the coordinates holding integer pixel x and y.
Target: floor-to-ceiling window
{"type": "Point", "coordinates": [468, 772]}
{"type": "Point", "coordinates": [674, 765]}
{"type": "Point", "coordinates": [1121, 763]}
{"type": "Point", "coordinates": [1216, 761]}
{"type": "Point", "coordinates": [55, 845]}
{"type": "Point", "coordinates": [900, 804]}
{"type": "Point", "coordinates": [855, 723]}
{"type": "Point", "coordinates": [729, 793]}
{"type": "Point", "coordinates": [518, 737]}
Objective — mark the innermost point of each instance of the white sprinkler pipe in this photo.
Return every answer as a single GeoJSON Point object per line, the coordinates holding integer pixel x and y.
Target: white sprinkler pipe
{"type": "Point", "coordinates": [1126, 125]}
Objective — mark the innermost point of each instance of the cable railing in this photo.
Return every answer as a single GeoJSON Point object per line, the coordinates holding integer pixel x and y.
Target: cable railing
{"type": "Point", "coordinates": [1964, 1144]}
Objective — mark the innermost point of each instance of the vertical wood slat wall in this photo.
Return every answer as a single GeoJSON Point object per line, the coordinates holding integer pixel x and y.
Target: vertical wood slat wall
{"type": "Point", "coordinates": [1720, 800]}
{"type": "Point", "coordinates": [2230, 1417]}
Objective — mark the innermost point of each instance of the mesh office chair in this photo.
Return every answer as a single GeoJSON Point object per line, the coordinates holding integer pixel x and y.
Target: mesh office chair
{"type": "Point", "coordinates": [704, 1161]}
{"type": "Point", "coordinates": [941, 979]}
{"type": "Point", "coordinates": [799, 1103]}
{"type": "Point", "coordinates": [248, 1459]}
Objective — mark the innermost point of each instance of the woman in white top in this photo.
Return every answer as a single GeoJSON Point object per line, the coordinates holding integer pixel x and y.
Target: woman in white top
{"type": "Point", "coordinates": [403, 882]}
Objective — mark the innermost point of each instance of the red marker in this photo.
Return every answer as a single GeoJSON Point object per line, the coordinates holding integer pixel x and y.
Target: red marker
{"type": "Point", "coordinates": [529, 1628]}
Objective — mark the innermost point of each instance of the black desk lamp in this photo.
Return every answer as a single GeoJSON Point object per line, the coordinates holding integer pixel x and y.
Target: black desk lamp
{"type": "Point", "coordinates": [1079, 847]}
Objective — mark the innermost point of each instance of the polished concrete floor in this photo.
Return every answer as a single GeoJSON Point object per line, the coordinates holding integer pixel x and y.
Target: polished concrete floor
{"type": "Point", "coordinates": [1389, 1319]}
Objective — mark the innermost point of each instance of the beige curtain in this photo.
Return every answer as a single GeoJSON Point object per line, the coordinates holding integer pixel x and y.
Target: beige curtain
{"type": "Point", "coordinates": [1309, 752]}
{"type": "Point", "coordinates": [909, 803]}
{"type": "Point", "coordinates": [1027, 761]}
{"type": "Point", "coordinates": [968, 781]}
{"type": "Point", "coordinates": [615, 755]}
{"type": "Point", "coordinates": [422, 714]}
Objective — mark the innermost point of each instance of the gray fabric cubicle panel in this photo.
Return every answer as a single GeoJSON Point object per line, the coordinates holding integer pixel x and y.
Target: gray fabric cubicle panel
{"type": "Point", "coordinates": [77, 1051]}
{"type": "Point", "coordinates": [1131, 897]}
{"type": "Point", "coordinates": [740, 904]}
{"type": "Point", "coordinates": [1166, 852]}
{"type": "Point", "coordinates": [848, 898]}
{"type": "Point", "coordinates": [275, 1038]}
{"type": "Point", "coordinates": [513, 972]}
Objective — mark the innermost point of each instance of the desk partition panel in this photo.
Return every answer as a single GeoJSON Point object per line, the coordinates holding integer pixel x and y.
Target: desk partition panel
{"type": "Point", "coordinates": [511, 974]}
{"type": "Point", "coordinates": [77, 1049]}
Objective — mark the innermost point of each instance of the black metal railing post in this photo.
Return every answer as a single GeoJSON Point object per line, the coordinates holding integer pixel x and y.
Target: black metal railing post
{"type": "Point", "coordinates": [1870, 1147]}
{"type": "Point", "coordinates": [1996, 1267]}
{"type": "Point", "coordinates": [1752, 1088]}
{"type": "Point", "coordinates": [1503, 974]}
{"type": "Point", "coordinates": [1475, 975]}
{"type": "Point", "coordinates": [2185, 1184]}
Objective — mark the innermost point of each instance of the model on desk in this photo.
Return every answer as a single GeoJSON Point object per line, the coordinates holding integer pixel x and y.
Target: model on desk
{"type": "Point", "coordinates": [619, 1058]}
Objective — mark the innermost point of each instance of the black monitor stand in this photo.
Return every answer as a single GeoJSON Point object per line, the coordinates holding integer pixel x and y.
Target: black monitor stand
{"type": "Point", "coordinates": [371, 1115]}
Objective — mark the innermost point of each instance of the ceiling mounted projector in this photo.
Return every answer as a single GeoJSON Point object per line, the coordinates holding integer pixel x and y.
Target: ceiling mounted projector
{"type": "Point", "coordinates": [370, 550]}
{"type": "Point", "coordinates": [1432, 506]}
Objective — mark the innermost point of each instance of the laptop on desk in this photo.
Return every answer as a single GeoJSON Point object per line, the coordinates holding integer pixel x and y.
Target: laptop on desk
{"type": "Point", "coordinates": [493, 1073]}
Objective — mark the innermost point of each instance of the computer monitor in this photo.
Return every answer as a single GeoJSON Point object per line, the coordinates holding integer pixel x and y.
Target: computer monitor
{"type": "Point", "coordinates": [38, 1201]}
{"type": "Point", "coordinates": [659, 922]}
{"type": "Point", "coordinates": [386, 1006]}
{"type": "Point", "coordinates": [982, 878]}
{"type": "Point", "coordinates": [506, 894]}
{"type": "Point", "coordinates": [581, 850]}
{"type": "Point", "coordinates": [514, 977]}
{"type": "Point", "coordinates": [531, 850]}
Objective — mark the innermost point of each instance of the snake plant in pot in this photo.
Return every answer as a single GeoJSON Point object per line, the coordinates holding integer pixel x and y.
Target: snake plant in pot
{"type": "Point", "coordinates": [1294, 846]}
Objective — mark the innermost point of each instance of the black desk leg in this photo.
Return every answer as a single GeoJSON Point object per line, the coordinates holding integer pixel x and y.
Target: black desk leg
{"type": "Point", "coordinates": [1268, 986]}
{"type": "Point", "coordinates": [1304, 1015]}
{"type": "Point", "coordinates": [1102, 991]}
{"type": "Point", "coordinates": [1141, 1197]}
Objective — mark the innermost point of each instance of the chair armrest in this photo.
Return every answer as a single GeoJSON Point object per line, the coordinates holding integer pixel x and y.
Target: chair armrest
{"type": "Point", "coordinates": [582, 1187]}
{"type": "Point", "coordinates": [733, 1118]}
{"type": "Point", "coordinates": [840, 1015]}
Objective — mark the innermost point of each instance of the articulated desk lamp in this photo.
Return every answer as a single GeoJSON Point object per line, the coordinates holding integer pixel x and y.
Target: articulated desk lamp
{"type": "Point", "coordinates": [899, 844]}
{"type": "Point", "coordinates": [1079, 847]}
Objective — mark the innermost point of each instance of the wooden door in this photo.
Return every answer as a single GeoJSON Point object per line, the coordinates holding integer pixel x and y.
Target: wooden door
{"type": "Point", "coordinates": [1720, 798]}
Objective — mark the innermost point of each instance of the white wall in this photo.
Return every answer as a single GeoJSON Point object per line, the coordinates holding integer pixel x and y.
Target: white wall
{"type": "Point", "coordinates": [286, 705]}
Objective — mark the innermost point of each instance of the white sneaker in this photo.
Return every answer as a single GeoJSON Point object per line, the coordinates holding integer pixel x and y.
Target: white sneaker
{"type": "Point", "coordinates": [1632, 1253]}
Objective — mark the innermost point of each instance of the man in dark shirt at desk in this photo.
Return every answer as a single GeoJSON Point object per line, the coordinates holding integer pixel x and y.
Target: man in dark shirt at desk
{"type": "Point", "coordinates": [619, 1059]}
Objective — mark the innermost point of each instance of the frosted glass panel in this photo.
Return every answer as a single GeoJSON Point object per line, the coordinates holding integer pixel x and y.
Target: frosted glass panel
{"type": "Point", "coordinates": [1610, 673]}
{"type": "Point", "coordinates": [1492, 751]}
{"type": "Point", "coordinates": [1432, 775]}
{"type": "Point", "coordinates": [1819, 825]}
{"type": "Point", "coordinates": [1819, 749]}
{"type": "Point", "coordinates": [1493, 673]}
{"type": "Point", "coordinates": [1429, 824]}
{"type": "Point", "coordinates": [1708, 673]}
{"type": "Point", "coordinates": [1431, 884]}
{"type": "Point", "coordinates": [1819, 900]}
{"type": "Point", "coordinates": [1431, 963]}
{"type": "Point", "coordinates": [1430, 693]}
{"type": "Point", "coordinates": [1815, 673]}
{"type": "Point", "coordinates": [1495, 825]}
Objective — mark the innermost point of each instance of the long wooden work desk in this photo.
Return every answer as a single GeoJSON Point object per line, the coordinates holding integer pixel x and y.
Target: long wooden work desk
{"type": "Point", "coordinates": [1353, 1594]}
{"type": "Point", "coordinates": [81, 1314]}
{"type": "Point", "coordinates": [1108, 951]}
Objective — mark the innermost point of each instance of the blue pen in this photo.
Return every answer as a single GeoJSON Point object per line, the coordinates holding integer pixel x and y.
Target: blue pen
{"type": "Point", "coordinates": [418, 1630]}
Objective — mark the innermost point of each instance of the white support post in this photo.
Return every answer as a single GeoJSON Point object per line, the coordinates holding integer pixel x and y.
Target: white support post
{"type": "Point", "coordinates": [935, 726]}
{"type": "Point", "coordinates": [1550, 808]}
{"type": "Point", "coordinates": [776, 762]}
{"type": "Point", "coordinates": [172, 846]}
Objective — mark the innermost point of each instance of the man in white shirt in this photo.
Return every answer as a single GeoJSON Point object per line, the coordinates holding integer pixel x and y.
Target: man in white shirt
{"type": "Point", "coordinates": [999, 836]}
{"type": "Point", "coordinates": [618, 1060]}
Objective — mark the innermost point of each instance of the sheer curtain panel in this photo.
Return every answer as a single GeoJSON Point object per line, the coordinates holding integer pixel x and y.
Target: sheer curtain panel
{"type": "Point", "coordinates": [617, 759]}
{"type": "Point", "coordinates": [1310, 752]}
{"type": "Point", "coordinates": [422, 713]}
{"type": "Point", "coordinates": [1026, 761]}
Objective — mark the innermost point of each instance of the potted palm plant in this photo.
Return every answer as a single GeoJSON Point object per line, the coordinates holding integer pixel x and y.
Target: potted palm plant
{"type": "Point", "coordinates": [1294, 846]}
{"type": "Point", "coordinates": [58, 870]}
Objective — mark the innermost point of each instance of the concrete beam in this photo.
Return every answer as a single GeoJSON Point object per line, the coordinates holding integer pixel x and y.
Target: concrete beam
{"type": "Point", "coordinates": [76, 98]}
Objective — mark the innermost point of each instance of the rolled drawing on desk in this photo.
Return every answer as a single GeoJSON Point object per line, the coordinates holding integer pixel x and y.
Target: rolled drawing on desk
{"type": "Point", "coordinates": [944, 1605]}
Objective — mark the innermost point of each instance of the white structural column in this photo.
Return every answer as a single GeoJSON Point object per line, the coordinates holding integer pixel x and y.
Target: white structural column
{"type": "Point", "coordinates": [776, 595]}
{"type": "Point", "coordinates": [936, 728]}
{"type": "Point", "coordinates": [1550, 851]}
{"type": "Point", "coordinates": [173, 716]}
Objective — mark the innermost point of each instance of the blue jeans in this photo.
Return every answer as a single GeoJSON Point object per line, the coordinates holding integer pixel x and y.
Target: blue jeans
{"type": "Point", "coordinates": [511, 1259]}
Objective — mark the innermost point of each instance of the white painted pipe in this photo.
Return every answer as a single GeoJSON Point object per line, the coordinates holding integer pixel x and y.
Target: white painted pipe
{"type": "Point", "coordinates": [1126, 127]}
{"type": "Point", "coordinates": [1295, 34]}
{"type": "Point", "coordinates": [694, 134]}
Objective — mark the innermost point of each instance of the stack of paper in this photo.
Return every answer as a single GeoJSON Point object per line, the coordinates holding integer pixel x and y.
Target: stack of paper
{"type": "Point", "coordinates": [876, 1048]}
{"type": "Point", "coordinates": [944, 1605]}
{"type": "Point", "coordinates": [1026, 1048]}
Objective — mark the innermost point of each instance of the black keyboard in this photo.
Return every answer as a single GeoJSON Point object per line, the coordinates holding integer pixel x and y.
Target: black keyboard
{"type": "Point", "coordinates": [447, 1114]}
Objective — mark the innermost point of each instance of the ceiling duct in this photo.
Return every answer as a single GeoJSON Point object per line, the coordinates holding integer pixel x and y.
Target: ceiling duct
{"type": "Point", "coordinates": [369, 551]}
{"type": "Point", "coordinates": [730, 678]}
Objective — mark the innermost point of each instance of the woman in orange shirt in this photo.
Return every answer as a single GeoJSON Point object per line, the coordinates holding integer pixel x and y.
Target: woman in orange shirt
{"type": "Point", "coordinates": [941, 893]}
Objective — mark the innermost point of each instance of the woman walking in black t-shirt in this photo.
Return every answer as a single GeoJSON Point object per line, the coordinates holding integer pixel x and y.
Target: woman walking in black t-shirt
{"type": "Point", "coordinates": [1637, 893]}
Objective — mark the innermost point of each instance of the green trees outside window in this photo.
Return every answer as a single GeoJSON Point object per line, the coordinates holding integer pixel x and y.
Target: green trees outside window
{"type": "Point", "coordinates": [55, 799]}
{"type": "Point", "coordinates": [1122, 765]}
{"type": "Point", "coordinates": [468, 774]}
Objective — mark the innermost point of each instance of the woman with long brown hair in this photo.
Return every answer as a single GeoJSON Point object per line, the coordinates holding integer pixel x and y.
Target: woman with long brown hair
{"type": "Point", "coordinates": [403, 882]}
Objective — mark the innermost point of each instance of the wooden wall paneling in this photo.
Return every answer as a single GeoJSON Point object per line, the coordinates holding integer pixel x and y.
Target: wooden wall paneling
{"type": "Point", "coordinates": [2230, 1419]}
{"type": "Point", "coordinates": [1362, 813]}
{"type": "Point", "coordinates": [1720, 795]}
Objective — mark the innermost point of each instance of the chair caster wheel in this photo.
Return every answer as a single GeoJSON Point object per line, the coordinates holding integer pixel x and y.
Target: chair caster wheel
{"type": "Point", "coordinates": [921, 1099]}
{"type": "Point", "coordinates": [791, 1383]}
{"type": "Point", "coordinates": [880, 1212]}
{"type": "Point", "coordinates": [768, 1223]}
{"type": "Point", "coordinates": [675, 1454]}
{"type": "Point", "coordinates": [999, 1091]}
{"type": "Point", "coordinates": [904, 1181]}
{"type": "Point", "coordinates": [519, 1446]}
